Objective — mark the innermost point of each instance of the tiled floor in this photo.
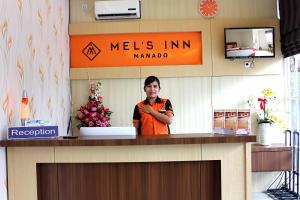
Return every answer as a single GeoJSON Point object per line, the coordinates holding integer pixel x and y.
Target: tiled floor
{"type": "Point", "coordinates": [260, 196]}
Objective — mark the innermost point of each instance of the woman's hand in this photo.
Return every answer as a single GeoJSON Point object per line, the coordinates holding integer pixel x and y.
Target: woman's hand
{"type": "Point", "coordinates": [165, 118]}
{"type": "Point", "coordinates": [147, 109]}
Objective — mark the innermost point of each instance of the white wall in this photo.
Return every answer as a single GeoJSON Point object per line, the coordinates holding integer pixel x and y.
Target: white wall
{"type": "Point", "coordinates": [185, 9]}
{"type": "Point", "coordinates": [193, 98]}
{"type": "Point", "coordinates": [243, 38]}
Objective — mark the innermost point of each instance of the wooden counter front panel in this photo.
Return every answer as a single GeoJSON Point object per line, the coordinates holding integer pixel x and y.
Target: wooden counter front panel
{"type": "Point", "coordinates": [191, 180]}
{"type": "Point", "coordinates": [271, 161]}
{"type": "Point", "coordinates": [47, 186]}
{"type": "Point", "coordinates": [275, 157]}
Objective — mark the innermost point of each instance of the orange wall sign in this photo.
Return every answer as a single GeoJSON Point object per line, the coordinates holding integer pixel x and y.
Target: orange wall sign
{"type": "Point", "coordinates": [136, 49]}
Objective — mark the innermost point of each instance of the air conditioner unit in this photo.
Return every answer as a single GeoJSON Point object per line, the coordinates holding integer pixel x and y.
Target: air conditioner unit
{"type": "Point", "coordinates": [117, 9]}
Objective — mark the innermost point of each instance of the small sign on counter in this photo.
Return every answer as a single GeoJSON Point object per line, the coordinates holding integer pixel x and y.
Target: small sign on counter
{"type": "Point", "coordinates": [219, 119]}
{"type": "Point", "coordinates": [31, 132]}
{"type": "Point", "coordinates": [231, 119]}
{"type": "Point", "coordinates": [244, 120]}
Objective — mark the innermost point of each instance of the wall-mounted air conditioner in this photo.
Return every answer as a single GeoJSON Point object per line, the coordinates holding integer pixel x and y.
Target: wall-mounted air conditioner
{"type": "Point", "coordinates": [117, 9]}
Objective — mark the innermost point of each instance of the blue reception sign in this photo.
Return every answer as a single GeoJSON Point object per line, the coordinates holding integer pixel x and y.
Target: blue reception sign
{"type": "Point", "coordinates": [24, 132]}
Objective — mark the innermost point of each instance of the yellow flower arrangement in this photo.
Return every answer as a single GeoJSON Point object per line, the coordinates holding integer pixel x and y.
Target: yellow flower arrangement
{"type": "Point", "coordinates": [268, 107]}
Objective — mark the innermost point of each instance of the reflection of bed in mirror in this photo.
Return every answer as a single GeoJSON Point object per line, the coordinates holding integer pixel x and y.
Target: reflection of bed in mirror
{"type": "Point", "coordinates": [241, 51]}
{"type": "Point", "coordinates": [249, 42]}
{"type": "Point", "coordinates": [233, 50]}
{"type": "Point", "coordinates": [263, 53]}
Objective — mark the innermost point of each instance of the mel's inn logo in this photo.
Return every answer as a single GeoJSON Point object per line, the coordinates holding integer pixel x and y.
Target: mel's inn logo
{"type": "Point", "coordinates": [91, 51]}
{"type": "Point", "coordinates": [136, 49]}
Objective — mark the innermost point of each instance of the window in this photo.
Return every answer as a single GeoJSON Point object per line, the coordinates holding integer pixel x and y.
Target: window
{"type": "Point", "coordinates": [269, 37]}
{"type": "Point", "coordinates": [292, 71]}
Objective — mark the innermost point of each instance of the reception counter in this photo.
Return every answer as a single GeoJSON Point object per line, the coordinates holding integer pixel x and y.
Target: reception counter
{"type": "Point", "coordinates": [179, 166]}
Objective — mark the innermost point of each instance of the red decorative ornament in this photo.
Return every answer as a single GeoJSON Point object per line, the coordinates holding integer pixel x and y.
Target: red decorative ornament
{"type": "Point", "coordinates": [262, 103]}
{"type": "Point", "coordinates": [208, 8]}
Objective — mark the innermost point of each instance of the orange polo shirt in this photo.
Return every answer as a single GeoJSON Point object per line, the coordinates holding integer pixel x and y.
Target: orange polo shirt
{"type": "Point", "coordinates": [149, 125]}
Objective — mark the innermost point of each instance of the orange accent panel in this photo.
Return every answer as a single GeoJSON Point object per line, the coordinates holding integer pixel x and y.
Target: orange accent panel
{"type": "Point", "coordinates": [136, 49]}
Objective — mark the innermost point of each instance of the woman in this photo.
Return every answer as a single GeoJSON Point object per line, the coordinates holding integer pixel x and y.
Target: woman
{"type": "Point", "coordinates": [153, 115]}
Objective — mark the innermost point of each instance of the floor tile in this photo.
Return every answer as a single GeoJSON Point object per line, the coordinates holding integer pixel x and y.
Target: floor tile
{"type": "Point", "coordinates": [260, 196]}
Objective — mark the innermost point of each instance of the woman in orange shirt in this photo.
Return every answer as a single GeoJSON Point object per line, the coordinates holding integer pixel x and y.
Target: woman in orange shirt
{"type": "Point", "coordinates": [153, 115]}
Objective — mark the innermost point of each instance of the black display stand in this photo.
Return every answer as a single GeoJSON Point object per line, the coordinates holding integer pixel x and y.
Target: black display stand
{"type": "Point", "coordinates": [290, 188]}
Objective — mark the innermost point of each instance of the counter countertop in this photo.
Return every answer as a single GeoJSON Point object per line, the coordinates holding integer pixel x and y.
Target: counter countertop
{"type": "Point", "coordinates": [203, 138]}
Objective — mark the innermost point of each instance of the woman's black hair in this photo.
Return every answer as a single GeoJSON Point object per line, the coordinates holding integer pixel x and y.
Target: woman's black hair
{"type": "Point", "coordinates": [151, 79]}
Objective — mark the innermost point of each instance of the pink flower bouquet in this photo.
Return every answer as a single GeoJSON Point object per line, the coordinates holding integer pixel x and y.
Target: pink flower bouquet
{"type": "Point", "coordinates": [93, 113]}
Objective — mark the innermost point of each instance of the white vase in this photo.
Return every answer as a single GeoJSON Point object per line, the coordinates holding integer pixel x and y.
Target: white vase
{"type": "Point", "coordinates": [265, 133]}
